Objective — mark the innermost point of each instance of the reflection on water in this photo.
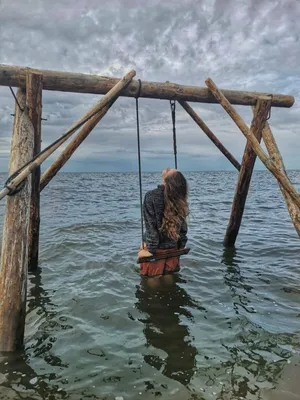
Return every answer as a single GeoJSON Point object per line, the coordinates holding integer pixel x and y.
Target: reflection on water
{"type": "Point", "coordinates": [229, 330]}
{"type": "Point", "coordinates": [165, 303]}
{"type": "Point", "coordinates": [235, 281]}
{"type": "Point", "coordinates": [17, 377]}
{"type": "Point", "coordinates": [39, 299]}
{"type": "Point", "coordinates": [257, 358]}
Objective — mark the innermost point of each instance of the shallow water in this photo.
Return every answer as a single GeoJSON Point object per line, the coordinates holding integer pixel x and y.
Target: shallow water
{"type": "Point", "coordinates": [226, 327]}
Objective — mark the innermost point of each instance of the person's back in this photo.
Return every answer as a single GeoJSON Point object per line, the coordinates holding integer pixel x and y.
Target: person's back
{"type": "Point", "coordinates": [165, 210]}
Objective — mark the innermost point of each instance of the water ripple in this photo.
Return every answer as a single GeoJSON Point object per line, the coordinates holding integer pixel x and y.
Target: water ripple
{"type": "Point", "coordinates": [226, 327]}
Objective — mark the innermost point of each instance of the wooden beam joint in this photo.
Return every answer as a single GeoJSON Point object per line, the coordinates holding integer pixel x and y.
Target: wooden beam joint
{"type": "Point", "coordinates": [278, 174]}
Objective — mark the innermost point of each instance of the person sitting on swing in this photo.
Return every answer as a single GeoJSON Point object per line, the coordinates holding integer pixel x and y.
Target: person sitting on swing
{"type": "Point", "coordinates": [165, 210]}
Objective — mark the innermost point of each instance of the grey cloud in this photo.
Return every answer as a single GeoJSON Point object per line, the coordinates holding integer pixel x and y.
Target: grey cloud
{"type": "Point", "coordinates": [241, 45]}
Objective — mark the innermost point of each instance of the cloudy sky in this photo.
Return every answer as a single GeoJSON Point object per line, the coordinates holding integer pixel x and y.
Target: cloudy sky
{"type": "Point", "coordinates": [242, 44]}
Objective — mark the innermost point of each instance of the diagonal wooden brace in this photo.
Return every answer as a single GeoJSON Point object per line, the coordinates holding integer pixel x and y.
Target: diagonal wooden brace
{"type": "Point", "coordinates": [210, 134]}
{"type": "Point", "coordinates": [274, 153]}
{"type": "Point", "coordinates": [277, 173]}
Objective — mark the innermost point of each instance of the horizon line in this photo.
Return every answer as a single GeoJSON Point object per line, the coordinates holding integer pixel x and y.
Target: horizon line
{"type": "Point", "coordinates": [156, 171]}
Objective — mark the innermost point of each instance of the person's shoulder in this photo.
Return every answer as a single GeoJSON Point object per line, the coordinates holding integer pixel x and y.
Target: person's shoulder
{"type": "Point", "coordinates": [154, 193]}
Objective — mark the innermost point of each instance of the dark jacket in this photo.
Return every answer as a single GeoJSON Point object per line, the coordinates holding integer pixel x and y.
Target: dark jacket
{"type": "Point", "coordinates": [153, 209]}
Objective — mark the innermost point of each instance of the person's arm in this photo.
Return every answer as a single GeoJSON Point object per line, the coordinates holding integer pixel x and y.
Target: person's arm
{"type": "Point", "coordinates": [152, 235]}
{"type": "Point", "coordinates": [183, 234]}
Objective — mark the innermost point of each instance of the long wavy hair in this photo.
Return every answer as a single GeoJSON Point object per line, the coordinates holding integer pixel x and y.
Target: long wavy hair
{"type": "Point", "coordinates": [176, 204]}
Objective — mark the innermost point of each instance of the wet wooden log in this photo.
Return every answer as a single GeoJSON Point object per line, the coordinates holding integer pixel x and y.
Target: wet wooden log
{"type": "Point", "coordinates": [83, 83]}
{"type": "Point", "coordinates": [13, 275]}
{"type": "Point", "coordinates": [278, 174]}
{"type": "Point", "coordinates": [274, 153]}
{"type": "Point", "coordinates": [105, 100]}
{"type": "Point", "coordinates": [49, 174]}
{"type": "Point", "coordinates": [34, 89]}
{"type": "Point", "coordinates": [210, 134]}
{"type": "Point", "coordinates": [260, 114]}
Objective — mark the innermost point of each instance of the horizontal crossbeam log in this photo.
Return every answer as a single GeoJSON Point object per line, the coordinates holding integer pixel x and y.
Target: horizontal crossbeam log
{"type": "Point", "coordinates": [15, 76]}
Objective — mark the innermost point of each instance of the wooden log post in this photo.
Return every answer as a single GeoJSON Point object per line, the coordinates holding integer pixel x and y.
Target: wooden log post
{"type": "Point", "coordinates": [49, 174]}
{"type": "Point", "coordinates": [274, 153]}
{"type": "Point", "coordinates": [13, 275]}
{"type": "Point", "coordinates": [95, 84]}
{"type": "Point", "coordinates": [278, 174]}
{"type": "Point", "coordinates": [34, 89]}
{"type": "Point", "coordinates": [210, 134]}
{"type": "Point", "coordinates": [260, 114]}
{"type": "Point", "coordinates": [105, 100]}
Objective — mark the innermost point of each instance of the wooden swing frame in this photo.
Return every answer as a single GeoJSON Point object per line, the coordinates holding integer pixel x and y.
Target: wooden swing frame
{"type": "Point", "coordinates": [21, 234]}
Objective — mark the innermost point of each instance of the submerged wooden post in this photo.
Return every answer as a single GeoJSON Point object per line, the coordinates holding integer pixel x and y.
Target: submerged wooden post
{"type": "Point", "coordinates": [13, 274]}
{"type": "Point", "coordinates": [210, 134]}
{"type": "Point", "coordinates": [72, 146]}
{"type": "Point", "coordinates": [277, 173]}
{"type": "Point", "coordinates": [34, 89]}
{"type": "Point", "coordinates": [274, 153]}
{"type": "Point", "coordinates": [260, 114]}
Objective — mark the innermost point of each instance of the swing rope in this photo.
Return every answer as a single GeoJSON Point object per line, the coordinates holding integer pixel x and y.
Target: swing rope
{"type": "Point", "coordinates": [139, 157]}
{"type": "Point", "coordinates": [171, 253]}
{"type": "Point", "coordinates": [173, 110]}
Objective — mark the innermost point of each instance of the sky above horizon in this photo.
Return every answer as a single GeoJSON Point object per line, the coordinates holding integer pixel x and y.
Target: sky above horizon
{"type": "Point", "coordinates": [244, 45]}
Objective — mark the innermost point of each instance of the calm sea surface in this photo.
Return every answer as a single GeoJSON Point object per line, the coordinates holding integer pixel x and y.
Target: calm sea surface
{"type": "Point", "coordinates": [227, 327]}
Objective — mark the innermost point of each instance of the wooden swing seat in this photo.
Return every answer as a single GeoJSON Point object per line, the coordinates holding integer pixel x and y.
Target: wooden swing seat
{"type": "Point", "coordinates": [170, 254]}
